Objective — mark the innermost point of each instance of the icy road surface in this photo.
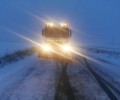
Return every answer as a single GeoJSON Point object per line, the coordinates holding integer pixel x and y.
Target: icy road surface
{"type": "Point", "coordinates": [35, 79]}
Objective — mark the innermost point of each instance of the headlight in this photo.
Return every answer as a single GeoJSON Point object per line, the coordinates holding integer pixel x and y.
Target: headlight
{"type": "Point", "coordinates": [66, 48]}
{"type": "Point", "coordinates": [46, 48]}
{"type": "Point", "coordinates": [50, 24]}
{"type": "Point", "coordinates": [63, 25]}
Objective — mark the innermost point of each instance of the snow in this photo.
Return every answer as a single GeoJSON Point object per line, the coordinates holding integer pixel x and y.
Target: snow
{"type": "Point", "coordinates": [11, 47]}
{"type": "Point", "coordinates": [32, 78]}
{"type": "Point", "coordinates": [109, 72]}
{"type": "Point", "coordinates": [107, 66]}
{"type": "Point", "coordinates": [110, 57]}
{"type": "Point", "coordinates": [85, 86]}
{"type": "Point", "coordinates": [94, 24]}
{"type": "Point", "coordinates": [28, 79]}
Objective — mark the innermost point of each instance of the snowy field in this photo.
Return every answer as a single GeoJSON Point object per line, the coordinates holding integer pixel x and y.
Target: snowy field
{"type": "Point", "coordinates": [108, 58]}
{"type": "Point", "coordinates": [108, 55]}
{"type": "Point", "coordinates": [11, 47]}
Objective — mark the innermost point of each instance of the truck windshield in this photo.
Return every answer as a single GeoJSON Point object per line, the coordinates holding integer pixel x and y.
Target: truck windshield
{"type": "Point", "coordinates": [56, 32]}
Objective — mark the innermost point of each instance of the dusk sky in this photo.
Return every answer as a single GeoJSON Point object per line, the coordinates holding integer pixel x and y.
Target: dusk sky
{"type": "Point", "coordinates": [92, 21]}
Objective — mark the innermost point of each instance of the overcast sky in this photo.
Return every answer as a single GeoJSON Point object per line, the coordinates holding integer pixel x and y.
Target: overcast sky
{"type": "Point", "coordinates": [92, 21]}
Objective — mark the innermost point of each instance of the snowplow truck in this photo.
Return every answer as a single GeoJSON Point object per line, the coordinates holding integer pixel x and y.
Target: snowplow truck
{"type": "Point", "coordinates": [56, 44]}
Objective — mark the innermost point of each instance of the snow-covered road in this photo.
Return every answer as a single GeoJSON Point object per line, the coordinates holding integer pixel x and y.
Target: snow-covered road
{"type": "Point", "coordinates": [109, 73]}
{"type": "Point", "coordinates": [37, 79]}
{"type": "Point", "coordinates": [84, 84]}
{"type": "Point", "coordinates": [28, 79]}
{"type": "Point", "coordinates": [105, 68]}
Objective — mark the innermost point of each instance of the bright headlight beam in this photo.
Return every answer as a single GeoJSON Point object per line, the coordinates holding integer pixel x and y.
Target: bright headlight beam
{"type": "Point", "coordinates": [66, 48]}
{"type": "Point", "coordinates": [46, 47]}
{"type": "Point", "coordinates": [51, 24]}
{"type": "Point", "coordinates": [63, 24]}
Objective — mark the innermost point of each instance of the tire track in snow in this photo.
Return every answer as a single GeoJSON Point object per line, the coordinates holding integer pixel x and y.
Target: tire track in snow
{"type": "Point", "coordinates": [64, 90]}
{"type": "Point", "coordinates": [101, 81]}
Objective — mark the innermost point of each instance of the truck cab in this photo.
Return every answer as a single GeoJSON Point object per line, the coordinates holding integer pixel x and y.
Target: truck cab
{"type": "Point", "coordinates": [55, 42]}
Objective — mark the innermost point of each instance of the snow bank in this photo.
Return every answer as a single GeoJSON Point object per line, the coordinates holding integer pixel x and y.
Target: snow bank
{"type": "Point", "coordinates": [11, 47]}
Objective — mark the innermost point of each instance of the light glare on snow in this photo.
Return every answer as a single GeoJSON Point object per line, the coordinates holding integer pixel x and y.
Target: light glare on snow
{"type": "Point", "coordinates": [47, 48]}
